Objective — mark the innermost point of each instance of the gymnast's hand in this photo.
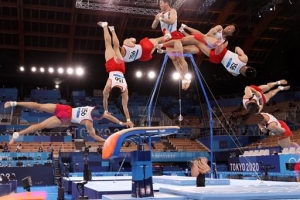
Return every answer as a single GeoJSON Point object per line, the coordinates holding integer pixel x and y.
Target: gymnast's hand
{"type": "Point", "coordinates": [158, 16]}
{"type": "Point", "coordinates": [129, 124]}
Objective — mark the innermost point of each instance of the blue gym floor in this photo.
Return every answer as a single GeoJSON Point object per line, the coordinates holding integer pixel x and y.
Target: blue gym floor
{"type": "Point", "coordinates": [236, 190]}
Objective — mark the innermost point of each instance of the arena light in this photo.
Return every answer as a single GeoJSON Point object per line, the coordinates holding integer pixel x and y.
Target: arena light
{"type": "Point", "coordinates": [70, 71]}
{"type": "Point", "coordinates": [42, 69]}
{"type": "Point", "coordinates": [79, 71]}
{"type": "Point", "coordinates": [50, 70]}
{"type": "Point", "coordinates": [33, 69]}
{"type": "Point", "coordinates": [188, 76]}
{"type": "Point", "coordinates": [22, 69]}
{"type": "Point", "coordinates": [60, 70]}
{"type": "Point", "coordinates": [151, 74]}
{"type": "Point", "coordinates": [176, 76]}
{"type": "Point", "coordinates": [138, 74]}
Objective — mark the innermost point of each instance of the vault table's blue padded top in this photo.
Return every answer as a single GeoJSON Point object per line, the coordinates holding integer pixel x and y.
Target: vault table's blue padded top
{"type": "Point", "coordinates": [113, 144]}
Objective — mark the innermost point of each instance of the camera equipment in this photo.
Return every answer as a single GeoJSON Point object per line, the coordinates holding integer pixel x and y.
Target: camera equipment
{"type": "Point", "coordinates": [86, 150]}
{"type": "Point", "coordinates": [99, 150]}
{"type": "Point", "coordinates": [266, 169]}
{"type": "Point", "coordinates": [66, 170]}
{"type": "Point", "coordinates": [215, 170]}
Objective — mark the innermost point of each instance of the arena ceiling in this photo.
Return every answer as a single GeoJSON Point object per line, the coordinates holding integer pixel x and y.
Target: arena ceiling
{"type": "Point", "coordinates": [65, 32]}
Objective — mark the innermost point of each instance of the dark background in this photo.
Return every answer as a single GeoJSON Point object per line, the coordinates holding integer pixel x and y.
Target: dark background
{"type": "Point", "coordinates": [56, 33]}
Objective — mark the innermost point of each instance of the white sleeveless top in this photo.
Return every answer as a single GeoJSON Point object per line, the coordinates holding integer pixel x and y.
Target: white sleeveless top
{"type": "Point", "coordinates": [271, 119]}
{"type": "Point", "coordinates": [164, 26]}
{"type": "Point", "coordinates": [232, 63]}
{"type": "Point", "coordinates": [82, 113]}
{"type": "Point", "coordinates": [248, 99]}
{"type": "Point", "coordinates": [132, 53]}
{"type": "Point", "coordinates": [117, 79]}
{"type": "Point", "coordinates": [219, 36]}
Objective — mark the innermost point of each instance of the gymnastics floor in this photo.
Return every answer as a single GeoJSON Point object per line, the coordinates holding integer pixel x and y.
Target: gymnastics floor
{"type": "Point", "coordinates": [183, 188]}
{"type": "Point", "coordinates": [68, 182]}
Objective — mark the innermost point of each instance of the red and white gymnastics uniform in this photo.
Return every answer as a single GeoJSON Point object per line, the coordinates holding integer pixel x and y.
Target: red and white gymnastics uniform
{"type": "Point", "coordinates": [116, 73]}
{"type": "Point", "coordinates": [141, 51]}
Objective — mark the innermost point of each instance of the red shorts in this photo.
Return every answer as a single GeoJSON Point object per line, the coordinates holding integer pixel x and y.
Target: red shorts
{"type": "Point", "coordinates": [63, 112]}
{"type": "Point", "coordinates": [287, 132]}
{"type": "Point", "coordinates": [216, 59]}
{"type": "Point", "coordinates": [198, 37]}
{"type": "Point", "coordinates": [111, 65]}
{"type": "Point", "coordinates": [176, 35]}
{"type": "Point", "coordinates": [260, 91]}
{"type": "Point", "coordinates": [147, 47]}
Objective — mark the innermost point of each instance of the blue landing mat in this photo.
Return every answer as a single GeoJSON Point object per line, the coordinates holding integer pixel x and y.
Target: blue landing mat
{"type": "Point", "coordinates": [67, 182]}
{"type": "Point", "coordinates": [95, 189]}
{"type": "Point", "coordinates": [157, 196]}
{"type": "Point", "coordinates": [239, 190]}
{"type": "Point", "coordinates": [187, 181]}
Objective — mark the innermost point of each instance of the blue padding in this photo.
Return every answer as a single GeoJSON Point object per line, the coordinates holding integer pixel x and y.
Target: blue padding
{"type": "Point", "coordinates": [4, 138]}
{"type": "Point", "coordinates": [45, 94]}
{"type": "Point", "coordinates": [57, 139]}
{"type": "Point", "coordinates": [32, 138]}
{"type": "Point", "coordinates": [141, 133]}
{"type": "Point", "coordinates": [42, 138]}
{"type": "Point", "coordinates": [28, 139]}
{"type": "Point", "coordinates": [67, 138]}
